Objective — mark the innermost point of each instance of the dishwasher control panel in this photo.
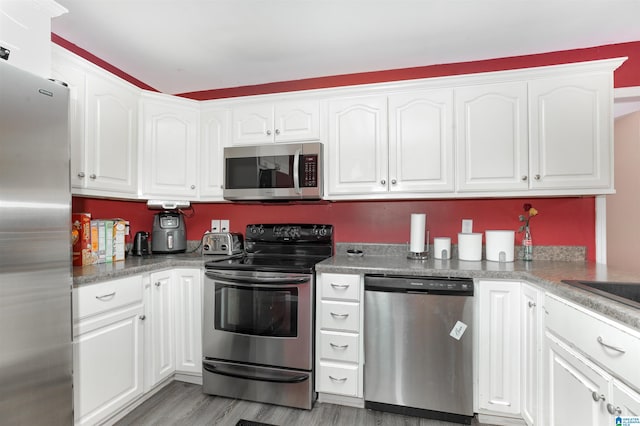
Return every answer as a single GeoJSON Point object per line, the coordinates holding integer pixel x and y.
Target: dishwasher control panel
{"type": "Point", "coordinates": [392, 283]}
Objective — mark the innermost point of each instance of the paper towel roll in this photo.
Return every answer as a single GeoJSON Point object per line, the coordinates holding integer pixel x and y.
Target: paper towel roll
{"type": "Point", "coordinates": [440, 244]}
{"type": "Point", "coordinates": [470, 246]}
{"type": "Point", "coordinates": [418, 223]}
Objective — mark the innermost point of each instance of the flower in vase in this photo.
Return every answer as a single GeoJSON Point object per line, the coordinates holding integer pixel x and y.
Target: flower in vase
{"type": "Point", "coordinates": [530, 212]}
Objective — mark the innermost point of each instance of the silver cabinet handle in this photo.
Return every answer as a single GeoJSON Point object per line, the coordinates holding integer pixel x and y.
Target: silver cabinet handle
{"type": "Point", "coordinates": [143, 317]}
{"type": "Point", "coordinates": [613, 410]}
{"type": "Point", "coordinates": [393, 181]}
{"type": "Point", "coordinates": [193, 187]}
{"type": "Point", "coordinates": [606, 345]}
{"type": "Point", "coordinates": [338, 380]}
{"type": "Point", "coordinates": [537, 177]}
{"type": "Point", "coordinates": [92, 176]}
{"type": "Point", "coordinates": [532, 304]}
{"type": "Point", "coordinates": [340, 286]}
{"type": "Point", "coordinates": [158, 283]}
{"type": "Point", "coordinates": [268, 132]}
{"type": "Point", "coordinates": [81, 174]}
{"type": "Point", "coordinates": [341, 316]}
{"type": "Point", "coordinates": [106, 296]}
{"type": "Point", "coordinates": [384, 182]}
{"type": "Point", "coordinates": [277, 131]}
{"type": "Point", "coordinates": [525, 177]}
{"type": "Point", "coordinates": [596, 396]}
{"type": "Point", "coordinates": [334, 346]}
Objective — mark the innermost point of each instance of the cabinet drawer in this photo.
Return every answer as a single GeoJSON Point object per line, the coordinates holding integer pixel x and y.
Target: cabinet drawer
{"type": "Point", "coordinates": [339, 346]}
{"type": "Point", "coordinates": [613, 346]}
{"type": "Point", "coordinates": [340, 286]}
{"type": "Point", "coordinates": [338, 378]}
{"type": "Point", "coordinates": [343, 316]}
{"type": "Point", "coordinates": [94, 299]}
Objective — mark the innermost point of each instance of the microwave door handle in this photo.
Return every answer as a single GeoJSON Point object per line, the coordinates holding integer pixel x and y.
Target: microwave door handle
{"type": "Point", "coordinates": [256, 280]}
{"type": "Point", "coordinates": [296, 171]}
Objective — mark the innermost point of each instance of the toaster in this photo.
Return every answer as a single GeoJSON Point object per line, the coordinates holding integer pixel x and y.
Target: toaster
{"type": "Point", "coordinates": [228, 243]}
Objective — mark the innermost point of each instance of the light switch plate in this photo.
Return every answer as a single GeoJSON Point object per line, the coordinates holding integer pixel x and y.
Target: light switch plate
{"type": "Point", "coordinates": [467, 226]}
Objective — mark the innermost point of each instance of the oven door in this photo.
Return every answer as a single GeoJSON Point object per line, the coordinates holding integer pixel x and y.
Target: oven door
{"type": "Point", "coordinates": [260, 318]}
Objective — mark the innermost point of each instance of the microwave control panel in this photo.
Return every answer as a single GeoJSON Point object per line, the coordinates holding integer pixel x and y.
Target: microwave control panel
{"type": "Point", "coordinates": [310, 171]}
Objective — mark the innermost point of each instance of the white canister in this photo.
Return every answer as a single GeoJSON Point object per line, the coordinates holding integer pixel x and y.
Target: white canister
{"type": "Point", "coordinates": [470, 246]}
{"type": "Point", "coordinates": [442, 248]}
{"type": "Point", "coordinates": [500, 245]}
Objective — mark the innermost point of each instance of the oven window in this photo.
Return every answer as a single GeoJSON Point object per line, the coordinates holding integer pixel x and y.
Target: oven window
{"type": "Point", "coordinates": [271, 311]}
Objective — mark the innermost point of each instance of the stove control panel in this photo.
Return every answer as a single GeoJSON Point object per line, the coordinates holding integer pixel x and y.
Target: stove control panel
{"type": "Point", "coordinates": [289, 232]}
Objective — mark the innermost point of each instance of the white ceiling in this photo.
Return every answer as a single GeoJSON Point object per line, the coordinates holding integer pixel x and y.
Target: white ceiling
{"type": "Point", "coordinates": [179, 46]}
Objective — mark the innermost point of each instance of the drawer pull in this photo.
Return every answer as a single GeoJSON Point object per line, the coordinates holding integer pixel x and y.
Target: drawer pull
{"type": "Point", "coordinates": [606, 345]}
{"type": "Point", "coordinates": [339, 286]}
{"type": "Point", "coordinates": [342, 347]}
{"type": "Point", "coordinates": [106, 296]}
{"type": "Point", "coordinates": [339, 316]}
{"type": "Point", "coordinates": [338, 380]}
{"type": "Point", "coordinates": [613, 410]}
{"type": "Point", "coordinates": [596, 396]}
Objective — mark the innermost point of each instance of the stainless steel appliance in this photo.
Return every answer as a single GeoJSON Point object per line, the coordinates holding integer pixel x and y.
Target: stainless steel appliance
{"type": "Point", "coordinates": [627, 293]}
{"type": "Point", "coordinates": [258, 316]}
{"type": "Point", "coordinates": [273, 172]}
{"type": "Point", "coordinates": [35, 251]}
{"type": "Point", "coordinates": [418, 346]}
{"type": "Point", "coordinates": [228, 243]}
{"type": "Point", "coordinates": [169, 234]}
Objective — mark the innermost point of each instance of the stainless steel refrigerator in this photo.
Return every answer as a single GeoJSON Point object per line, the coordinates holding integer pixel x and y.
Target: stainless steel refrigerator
{"type": "Point", "coordinates": [35, 251]}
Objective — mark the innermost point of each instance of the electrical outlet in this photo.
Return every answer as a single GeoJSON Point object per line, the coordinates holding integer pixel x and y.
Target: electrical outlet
{"type": "Point", "coordinates": [224, 225]}
{"type": "Point", "coordinates": [215, 225]}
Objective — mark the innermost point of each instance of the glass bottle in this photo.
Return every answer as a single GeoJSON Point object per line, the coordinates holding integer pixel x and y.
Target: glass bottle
{"type": "Point", "coordinates": [527, 245]}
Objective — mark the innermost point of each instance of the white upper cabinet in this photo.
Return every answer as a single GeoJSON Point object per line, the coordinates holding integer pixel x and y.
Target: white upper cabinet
{"type": "Point", "coordinates": [570, 124]}
{"type": "Point", "coordinates": [402, 143]}
{"type": "Point", "coordinates": [169, 147]}
{"type": "Point", "coordinates": [492, 143]}
{"type": "Point", "coordinates": [25, 30]}
{"type": "Point", "coordinates": [288, 121]}
{"type": "Point", "coordinates": [358, 146]}
{"type": "Point", "coordinates": [103, 128]}
{"type": "Point", "coordinates": [214, 129]}
{"type": "Point", "coordinates": [421, 141]}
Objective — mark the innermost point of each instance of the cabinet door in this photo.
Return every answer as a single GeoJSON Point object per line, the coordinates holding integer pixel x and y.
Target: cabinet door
{"type": "Point", "coordinates": [531, 338]}
{"type": "Point", "coordinates": [160, 320]}
{"type": "Point", "coordinates": [107, 359]}
{"type": "Point", "coordinates": [111, 135]}
{"type": "Point", "coordinates": [358, 146]}
{"type": "Point", "coordinates": [577, 391]}
{"type": "Point", "coordinates": [252, 124]}
{"type": "Point", "coordinates": [491, 138]}
{"type": "Point", "coordinates": [499, 348]}
{"type": "Point", "coordinates": [214, 125]}
{"type": "Point", "coordinates": [64, 68]}
{"type": "Point", "coordinates": [421, 141]}
{"type": "Point", "coordinates": [170, 166]}
{"type": "Point", "coordinates": [571, 121]}
{"type": "Point", "coordinates": [297, 121]}
{"type": "Point", "coordinates": [188, 314]}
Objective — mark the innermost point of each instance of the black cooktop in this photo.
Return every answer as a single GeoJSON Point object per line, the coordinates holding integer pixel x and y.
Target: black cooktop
{"type": "Point", "coordinates": [623, 292]}
{"type": "Point", "coordinates": [281, 248]}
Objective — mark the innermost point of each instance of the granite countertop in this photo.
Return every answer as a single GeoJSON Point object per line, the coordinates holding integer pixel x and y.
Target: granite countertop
{"type": "Point", "coordinates": [547, 274]}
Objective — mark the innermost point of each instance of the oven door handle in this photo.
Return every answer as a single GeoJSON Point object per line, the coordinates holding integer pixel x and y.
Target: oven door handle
{"type": "Point", "coordinates": [257, 280]}
{"type": "Point", "coordinates": [280, 377]}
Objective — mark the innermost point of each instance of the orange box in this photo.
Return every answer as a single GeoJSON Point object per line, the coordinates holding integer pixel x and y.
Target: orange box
{"type": "Point", "coordinates": [81, 238]}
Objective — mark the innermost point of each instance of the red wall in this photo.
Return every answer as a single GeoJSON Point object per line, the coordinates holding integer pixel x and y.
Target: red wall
{"type": "Point", "coordinates": [562, 221]}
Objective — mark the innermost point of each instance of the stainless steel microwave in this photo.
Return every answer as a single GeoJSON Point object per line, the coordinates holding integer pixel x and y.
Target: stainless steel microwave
{"type": "Point", "coordinates": [273, 172]}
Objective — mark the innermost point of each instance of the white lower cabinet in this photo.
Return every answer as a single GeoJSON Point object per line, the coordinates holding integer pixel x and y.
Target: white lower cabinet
{"type": "Point", "coordinates": [498, 348]}
{"type": "Point", "coordinates": [188, 320]}
{"type": "Point", "coordinates": [339, 357]}
{"type": "Point", "coordinates": [532, 318]}
{"type": "Point", "coordinates": [107, 348]}
{"type": "Point", "coordinates": [160, 342]}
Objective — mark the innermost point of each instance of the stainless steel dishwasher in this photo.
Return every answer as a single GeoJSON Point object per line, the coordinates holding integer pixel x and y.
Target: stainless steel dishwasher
{"type": "Point", "coordinates": [418, 343]}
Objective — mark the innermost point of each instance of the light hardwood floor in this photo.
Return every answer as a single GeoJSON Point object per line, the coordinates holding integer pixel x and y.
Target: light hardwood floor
{"type": "Point", "coordinates": [184, 404]}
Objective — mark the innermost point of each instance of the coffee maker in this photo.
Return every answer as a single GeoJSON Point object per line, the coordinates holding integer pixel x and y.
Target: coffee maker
{"type": "Point", "coordinates": [169, 233]}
